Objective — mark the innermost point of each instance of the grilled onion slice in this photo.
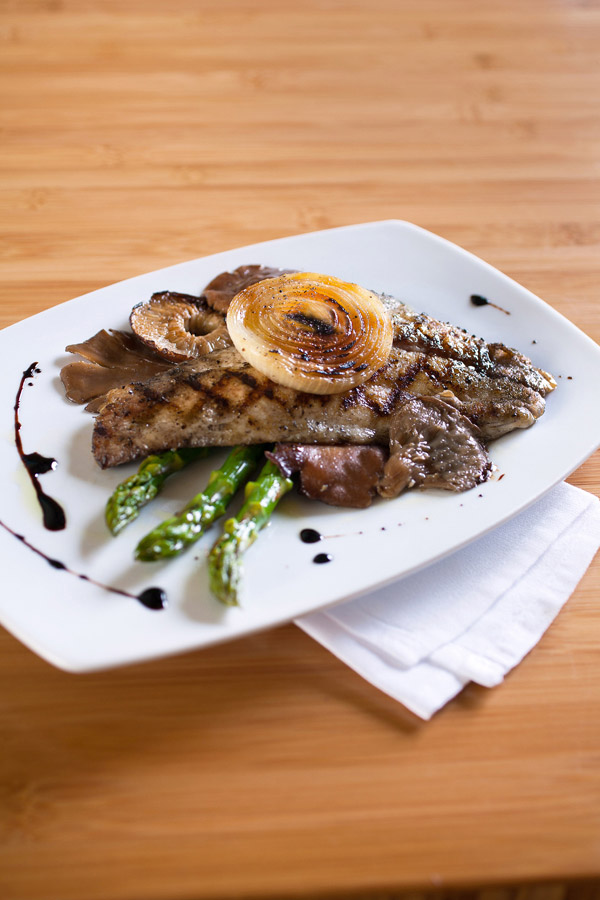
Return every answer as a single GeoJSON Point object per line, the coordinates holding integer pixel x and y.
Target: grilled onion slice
{"type": "Point", "coordinates": [311, 332]}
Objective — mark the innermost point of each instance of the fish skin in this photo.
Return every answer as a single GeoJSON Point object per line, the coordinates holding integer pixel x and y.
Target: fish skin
{"type": "Point", "coordinates": [221, 400]}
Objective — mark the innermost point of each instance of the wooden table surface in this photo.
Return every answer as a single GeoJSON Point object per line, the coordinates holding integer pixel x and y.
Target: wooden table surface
{"type": "Point", "coordinates": [135, 134]}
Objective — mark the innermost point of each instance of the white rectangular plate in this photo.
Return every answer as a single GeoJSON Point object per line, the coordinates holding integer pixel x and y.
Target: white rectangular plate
{"type": "Point", "coordinates": [81, 627]}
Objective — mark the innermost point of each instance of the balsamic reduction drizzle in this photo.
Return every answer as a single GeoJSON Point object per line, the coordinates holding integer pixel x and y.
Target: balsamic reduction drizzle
{"type": "Point", "coordinates": [478, 300]}
{"type": "Point", "coordinates": [152, 598]}
{"type": "Point", "coordinates": [36, 465]}
{"type": "Point", "coordinates": [54, 515]}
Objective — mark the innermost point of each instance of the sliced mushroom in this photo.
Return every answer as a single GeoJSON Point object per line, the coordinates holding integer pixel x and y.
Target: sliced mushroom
{"type": "Point", "coordinates": [340, 475]}
{"type": "Point", "coordinates": [179, 326]}
{"type": "Point", "coordinates": [432, 445]}
{"type": "Point", "coordinates": [219, 292]}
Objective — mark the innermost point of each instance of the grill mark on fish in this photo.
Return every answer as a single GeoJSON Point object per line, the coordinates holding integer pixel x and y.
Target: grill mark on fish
{"type": "Point", "coordinates": [423, 334]}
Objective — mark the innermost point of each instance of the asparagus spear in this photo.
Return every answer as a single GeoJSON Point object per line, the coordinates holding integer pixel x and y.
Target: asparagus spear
{"type": "Point", "coordinates": [175, 534]}
{"type": "Point", "coordinates": [131, 495]}
{"type": "Point", "coordinates": [225, 566]}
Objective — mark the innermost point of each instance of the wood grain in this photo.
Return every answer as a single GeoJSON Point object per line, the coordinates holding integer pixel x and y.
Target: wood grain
{"type": "Point", "coordinates": [134, 135]}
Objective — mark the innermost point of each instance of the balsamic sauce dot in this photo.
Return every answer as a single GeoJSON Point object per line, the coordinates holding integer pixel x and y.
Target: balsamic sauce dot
{"type": "Point", "coordinates": [153, 598]}
{"type": "Point", "coordinates": [310, 536]}
{"type": "Point", "coordinates": [322, 558]}
{"type": "Point", "coordinates": [478, 300]}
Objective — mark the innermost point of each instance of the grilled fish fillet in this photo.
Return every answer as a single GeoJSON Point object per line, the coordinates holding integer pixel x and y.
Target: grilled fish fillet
{"type": "Point", "coordinates": [221, 400]}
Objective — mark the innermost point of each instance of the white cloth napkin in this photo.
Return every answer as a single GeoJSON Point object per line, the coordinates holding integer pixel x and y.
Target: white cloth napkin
{"type": "Point", "coordinates": [472, 616]}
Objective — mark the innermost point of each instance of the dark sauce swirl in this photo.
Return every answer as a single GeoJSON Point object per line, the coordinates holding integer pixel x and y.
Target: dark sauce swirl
{"type": "Point", "coordinates": [35, 465]}
{"type": "Point", "coordinates": [151, 598]}
{"type": "Point", "coordinates": [54, 516]}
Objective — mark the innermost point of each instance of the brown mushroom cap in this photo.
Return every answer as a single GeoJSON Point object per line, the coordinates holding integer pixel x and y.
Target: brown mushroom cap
{"type": "Point", "coordinates": [219, 292]}
{"type": "Point", "coordinates": [179, 326]}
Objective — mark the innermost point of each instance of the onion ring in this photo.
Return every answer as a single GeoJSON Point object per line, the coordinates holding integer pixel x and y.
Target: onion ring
{"type": "Point", "coordinates": [311, 332]}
